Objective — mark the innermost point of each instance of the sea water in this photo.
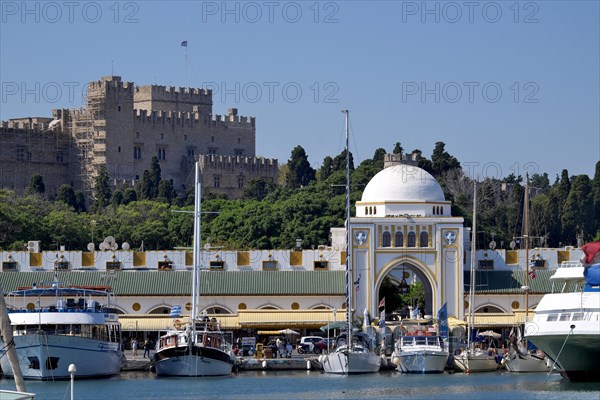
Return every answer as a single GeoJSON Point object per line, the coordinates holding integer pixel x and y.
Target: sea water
{"type": "Point", "coordinates": [289, 385]}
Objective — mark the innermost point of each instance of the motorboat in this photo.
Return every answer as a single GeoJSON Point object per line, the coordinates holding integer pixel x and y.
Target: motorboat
{"type": "Point", "coordinates": [200, 348]}
{"type": "Point", "coordinates": [420, 349]}
{"type": "Point", "coordinates": [74, 329]}
{"type": "Point", "coordinates": [566, 324]}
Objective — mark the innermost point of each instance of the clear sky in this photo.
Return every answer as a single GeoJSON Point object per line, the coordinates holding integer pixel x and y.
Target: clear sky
{"type": "Point", "coordinates": [508, 86]}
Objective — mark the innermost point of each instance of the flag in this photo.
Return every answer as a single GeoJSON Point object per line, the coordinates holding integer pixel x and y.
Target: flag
{"type": "Point", "coordinates": [532, 274]}
{"type": "Point", "coordinates": [175, 312]}
{"type": "Point", "coordinates": [184, 43]}
{"type": "Point", "coordinates": [443, 320]}
{"type": "Point", "coordinates": [590, 250]}
{"type": "Point", "coordinates": [382, 303]}
{"type": "Point", "coordinates": [415, 313]}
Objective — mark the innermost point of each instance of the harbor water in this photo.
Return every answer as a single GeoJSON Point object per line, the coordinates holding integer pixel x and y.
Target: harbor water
{"type": "Point", "coordinates": [288, 385]}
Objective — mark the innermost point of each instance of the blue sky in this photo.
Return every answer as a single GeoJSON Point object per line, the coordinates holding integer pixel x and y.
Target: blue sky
{"type": "Point", "coordinates": [509, 86]}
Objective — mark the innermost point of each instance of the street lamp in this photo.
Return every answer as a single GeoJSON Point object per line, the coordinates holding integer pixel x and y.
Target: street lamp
{"type": "Point", "coordinates": [72, 369]}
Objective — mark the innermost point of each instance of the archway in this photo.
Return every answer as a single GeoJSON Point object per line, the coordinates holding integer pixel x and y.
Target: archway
{"type": "Point", "coordinates": [406, 285]}
{"type": "Point", "coordinates": [217, 310]}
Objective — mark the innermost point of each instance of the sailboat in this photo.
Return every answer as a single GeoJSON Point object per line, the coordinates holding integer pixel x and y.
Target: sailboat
{"type": "Point", "coordinates": [200, 349]}
{"type": "Point", "coordinates": [354, 352]}
{"type": "Point", "coordinates": [519, 359]}
{"type": "Point", "coordinates": [474, 359]}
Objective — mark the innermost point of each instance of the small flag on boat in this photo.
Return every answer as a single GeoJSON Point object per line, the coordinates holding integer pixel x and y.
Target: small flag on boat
{"type": "Point", "coordinates": [382, 303]}
{"type": "Point", "coordinates": [175, 312]}
{"type": "Point", "coordinates": [184, 43]}
{"type": "Point", "coordinates": [532, 274]}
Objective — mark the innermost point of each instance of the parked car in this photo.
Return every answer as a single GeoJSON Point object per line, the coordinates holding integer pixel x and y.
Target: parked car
{"type": "Point", "coordinates": [311, 344]}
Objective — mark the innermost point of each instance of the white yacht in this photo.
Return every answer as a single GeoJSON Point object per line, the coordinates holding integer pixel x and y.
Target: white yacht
{"type": "Point", "coordinates": [419, 350]}
{"type": "Point", "coordinates": [354, 351]}
{"type": "Point", "coordinates": [200, 349]}
{"type": "Point", "coordinates": [566, 325]}
{"type": "Point", "coordinates": [75, 329]}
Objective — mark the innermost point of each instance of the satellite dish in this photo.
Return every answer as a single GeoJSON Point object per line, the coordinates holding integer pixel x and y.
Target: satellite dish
{"type": "Point", "coordinates": [114, 247]}
{"type": "Point", "coordinates": [110, 240]}
{"type": "Point", "coordinates": [102, 246]}
{"type": "Point", "coordinates": [91, 246]}
{"type": "Point", "coordinates": [493, 245]}
{"type": "Point", "coordinates": [125, 246]}
{"type": "Point", "coordinates": [512, 244]}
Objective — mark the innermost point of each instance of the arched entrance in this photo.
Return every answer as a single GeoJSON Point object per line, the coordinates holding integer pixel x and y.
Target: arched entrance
{"type": "Point", "coordinates": [405, 286]}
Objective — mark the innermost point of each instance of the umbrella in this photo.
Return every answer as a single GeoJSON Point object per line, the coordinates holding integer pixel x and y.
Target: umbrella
{"type": "Point", "coordinates": [490, 334]}
{"type": "Point", "coordinates": [288, 332]}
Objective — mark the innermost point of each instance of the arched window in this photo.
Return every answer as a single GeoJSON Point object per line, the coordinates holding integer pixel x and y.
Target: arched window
{"type": "Point", "coordinates": [399, 239]}
{"type": "Point", "coordinates": [375, 210]}
{"type": "Point", "coordinates": [423, 239]}
{"type": "Point", "coordinates": [366, 210]}
{"type": "Point", "coordinates": [370, 210]}
{"type": "Point", "coordinates": [411, 239]}
{"type": "Point", "coordinates": [441, 210]}
{"type": "Point", "coordinates": [386, 239]}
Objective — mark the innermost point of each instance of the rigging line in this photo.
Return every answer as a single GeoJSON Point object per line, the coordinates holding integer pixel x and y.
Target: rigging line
{"type": "Point", "coordinates": [355, 146]}
{"type": "Point", "coordinates": [559, 353]}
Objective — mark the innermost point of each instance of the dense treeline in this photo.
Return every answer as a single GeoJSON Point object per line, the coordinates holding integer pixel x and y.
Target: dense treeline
{"type": "Point", "coordinates": [305, 205]}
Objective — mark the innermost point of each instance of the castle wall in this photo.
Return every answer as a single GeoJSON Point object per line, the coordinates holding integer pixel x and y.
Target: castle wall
{"type": "Point", "coordinates": [154, 97]}
{"type": "Point", "coordinates": [32, 148]}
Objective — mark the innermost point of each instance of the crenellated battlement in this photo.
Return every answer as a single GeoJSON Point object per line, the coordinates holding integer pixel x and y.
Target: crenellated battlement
{"type": "Point", "coordinates": [182, 118]}
{"type": "Point", "coordinates": [171, 93]}
{"type": "Point", "coordinates": [236, 163]}
{"type": "Point", "coordinates": [109, 83]}
{"type": "Point", "coordinates": [26, 124]}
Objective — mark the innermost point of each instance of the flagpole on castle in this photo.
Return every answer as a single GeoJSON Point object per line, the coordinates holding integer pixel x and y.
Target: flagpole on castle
{"type": "Point", "coordinates": [185, 44]}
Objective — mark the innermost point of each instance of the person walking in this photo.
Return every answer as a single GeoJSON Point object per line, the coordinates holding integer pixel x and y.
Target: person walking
{"type": "Point", "coordinates": [134, 347]}
{"type": "Point", "coordinates": [147, 347]}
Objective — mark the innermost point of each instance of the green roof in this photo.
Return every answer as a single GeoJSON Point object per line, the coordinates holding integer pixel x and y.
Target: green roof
{"type": "Point", "coordinates": [178, 283]}
{"type": "Point", "coordinates": [509, 282]}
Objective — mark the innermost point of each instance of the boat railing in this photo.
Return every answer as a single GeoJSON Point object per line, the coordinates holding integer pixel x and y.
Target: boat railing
{"type": "Point", "coordinates": [570, 264]}
{"type": "Point", "coordinates": [430, 341]}
{"type": "Point", "coordinates": [96, 309]}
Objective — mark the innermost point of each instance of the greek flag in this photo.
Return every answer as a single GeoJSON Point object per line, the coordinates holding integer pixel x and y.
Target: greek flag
{"type": "Point", "coordinates": [175, 312]}
{"type": "Point", "coordinates": [184, 43]}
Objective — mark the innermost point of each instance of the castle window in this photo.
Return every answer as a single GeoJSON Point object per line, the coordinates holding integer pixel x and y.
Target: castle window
{"type": "Point", "coordinates": [20, 154]}
{"type": "Point", "coordinates": [212, 151]}
{"type": "Point", "coordinates": [119, 149]}
{"type": "Point", "coordinates": [162, 153]}
{"type": "Point", "coordinates": [240, 182]}
{"type": "Point", "coordinates": [212, 138]}
{"type": "Point", "coordinates": [59, 157]}
{"type": "Point", "coordinates": [399, 239]}
{"type": "Point", "coordinates": [423, 239]}
{"type": "Point", "coordinates": [119, 108]}
{"type": "Point", "coordinates": [411, 239]}
{"type": "Point", "coordinates": [137, 135]}
{"type": "Point", "coordinates": [239, 140]}
{"type": "Point", "coordinates": [184, 137]}
{"type": "Point", "coordinates": [239, 152]}
{"type": "Point", "coordinates": [162, 136]}
{"type": "Point", "coordinates": [28, 156]}
{"type": "Point", "coordinates": [217, 181]}
{"type": "Point", "coordinates": [190, 152]}
{"type": "Point", "coordinates": [386, 239]}
{"type": "Point", "coordinates": [137, 152]}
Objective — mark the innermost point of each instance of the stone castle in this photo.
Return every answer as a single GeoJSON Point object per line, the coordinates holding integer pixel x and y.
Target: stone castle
{"type": "Point", "coordinates": [122, 127]}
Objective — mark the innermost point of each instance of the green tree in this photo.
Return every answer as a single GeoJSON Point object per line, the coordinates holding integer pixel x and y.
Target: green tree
{"type": "Point", "coordinates": [442, 161]}
{"type": "Point", "coordinates": [578, 212]}
{"type": "Point", "coordinates": [596, 197]}
{"type": "Point", "coordinates": [129, 195]}
{"type": "Point", "coordinates": [299, 173]}
{"type": "Point", "coordinates": [36, 185]}
{"type": "Point", "coordinates": [398, 149]}
{"type": "Point", "coordinates": [563, 189]}
{"type": "Point", "coordinates": [339, 162]}
{"type": "Point", "coordinates": [326, 169]}
{"type": "Point", "coordinates": [66, 194]}
{"type": "Point", "coordinates": [166, 192]}
{"type": "Point", "coordinates": [80, 201]}
{"type": "Point", "coordinates": [258, 189]}
{"type": "Point", "coordinates": [102, 192]}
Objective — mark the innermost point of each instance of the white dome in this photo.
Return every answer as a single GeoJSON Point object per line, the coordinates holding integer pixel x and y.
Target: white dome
{"type": "Point", "coordinates": [403, 183]}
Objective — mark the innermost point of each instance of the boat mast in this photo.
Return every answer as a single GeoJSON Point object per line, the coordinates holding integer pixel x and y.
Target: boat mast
{"type": "Point", "coordinates": [196, 246]}
{"type": "Point", "coordinates": [11, 351]}
{"type": "Point", "coordinates": [347, 226]}
{"type": "Point", "coordinates": [526, 237]}
{"type": "Point", "coordinates": [472, 278]}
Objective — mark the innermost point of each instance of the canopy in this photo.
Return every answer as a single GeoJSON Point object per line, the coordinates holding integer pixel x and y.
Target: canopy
{"type": "Point", "coordinates": [334, 325]}
{"type": "Point", "coordinates": [58, 291]}
{"type": "Point", "coordinates": [490, 334]}
{"type": "Point", "coordinates": [288, 332]}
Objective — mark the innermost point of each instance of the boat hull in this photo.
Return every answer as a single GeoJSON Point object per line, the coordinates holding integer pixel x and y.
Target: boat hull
{"type": "Point", "coordinates": [580, 357]}
{"type": "Point", "coordinates": [526, 363]}
{"type": "Point", "coordinates": [204, 361]}
{"type": "Point", "coordinates": [422, 361]}
{"type": "Point", "coordinates": [351, 363]}
{"type": "Point", "coordinates": [475, 362]}
{"type": "Point", "coordinates": [47, 357]}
